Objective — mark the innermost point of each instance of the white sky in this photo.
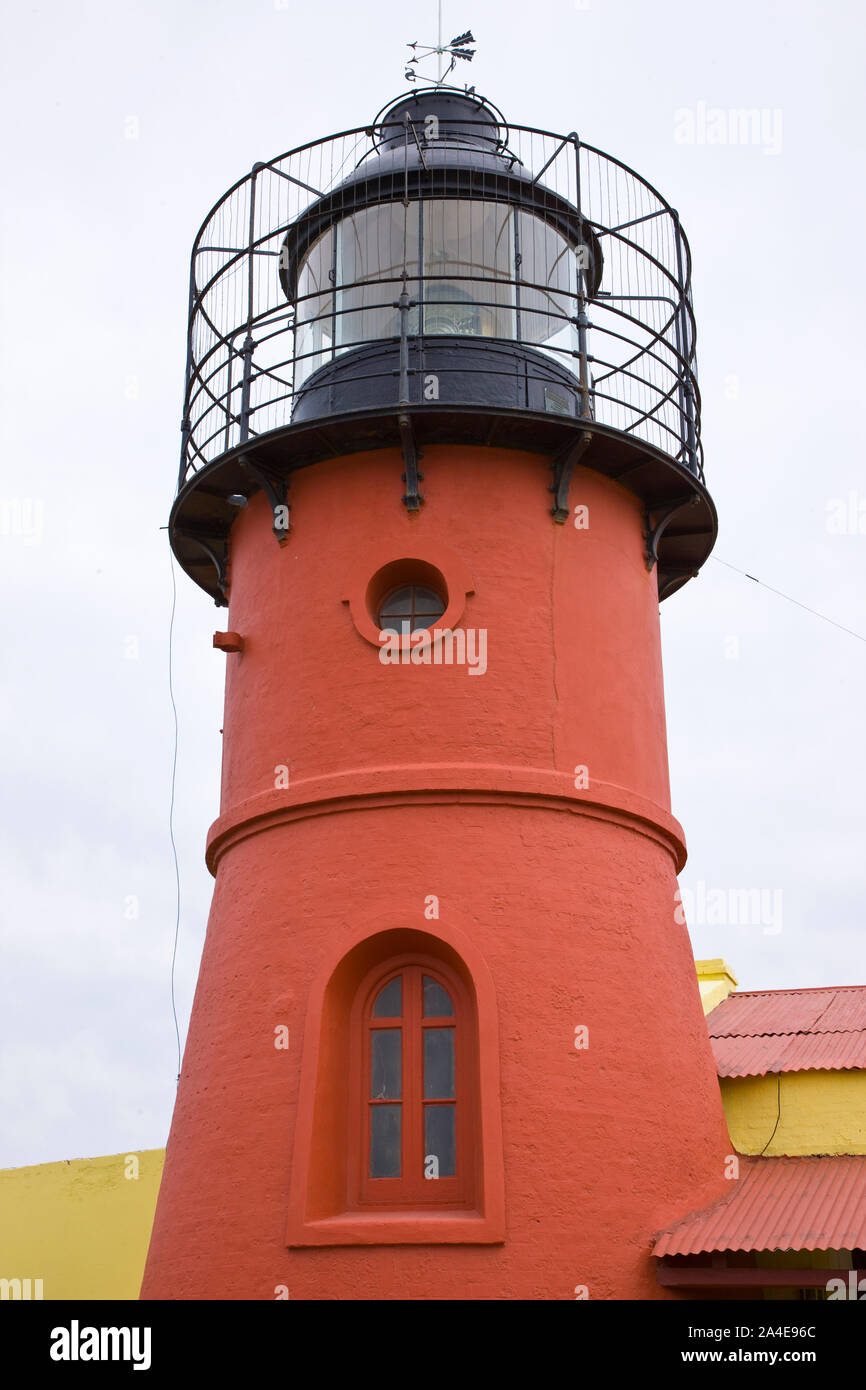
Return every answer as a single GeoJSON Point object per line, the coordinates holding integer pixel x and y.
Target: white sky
{"type": "Point", "coordinates": [767, 750]}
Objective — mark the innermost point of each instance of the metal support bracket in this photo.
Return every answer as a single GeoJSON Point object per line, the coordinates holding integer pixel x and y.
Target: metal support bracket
{"type": "Point", "coordinates": [412, 498]}
{"type": "Point", "coordinates": [657, 522]}
{"type": "Point", "coordinates": [246, 353]}
{"type": "Point", "coordinates": [563, 465]}
{"type": "Point", "coordinates": [219, 564]}
{"type": "Point", "coordinates": [277, 492]}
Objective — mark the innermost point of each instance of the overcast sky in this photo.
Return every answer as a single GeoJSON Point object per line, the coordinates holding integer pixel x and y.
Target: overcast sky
{"type": "Point", "coordinates": [123, 124]}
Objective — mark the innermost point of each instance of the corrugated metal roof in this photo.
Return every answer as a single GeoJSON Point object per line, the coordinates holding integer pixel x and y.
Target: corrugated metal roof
{"type": "Point", "coordinates": [789, 1052]}
{"type": "Point", "coordinates": [752, 1012]}
{"type": "Point", "coordinates": [780, 1204]}
{"type": "Point", "coordinates": [756, 1032]}
{"type": "Point", "coordinates": [846, 1011]}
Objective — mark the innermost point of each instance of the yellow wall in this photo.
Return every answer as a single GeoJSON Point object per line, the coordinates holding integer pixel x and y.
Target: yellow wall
{"type": "Point", "coordinates": [716, 980]}
{"type": "Point", "coordinates": [81, 1226]}
{"type": "Point", "coordinates": [822, 1112]}
{"type": "Point", "coordinates": [800, 1259]}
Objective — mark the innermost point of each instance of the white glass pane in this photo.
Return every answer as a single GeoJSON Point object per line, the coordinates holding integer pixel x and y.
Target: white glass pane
{"type": "Point", "coordinates": [548, 288]}
{"type": "Point", "coordinates": [373, 248]}
{"type": "Point", "coordinates": [468, 268]}
{"type": "Point", "coordinates": [315, 309]}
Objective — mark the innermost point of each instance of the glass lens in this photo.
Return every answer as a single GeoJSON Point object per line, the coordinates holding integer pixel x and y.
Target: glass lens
{"type": "Point", "coordinates": [315, 309]}
{"type": "Point", "coordinates": [463, 277]}
{"type": "Point", "coordinates": [548, 275]}
{"type": "Point", "coordinates": [372, 247]}
{"type": "Point", "coordinates": [468, 286]}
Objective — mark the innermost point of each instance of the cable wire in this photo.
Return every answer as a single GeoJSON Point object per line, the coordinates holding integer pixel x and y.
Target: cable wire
{"type": "Point", "coordinates": [804, 606]}
{"type": "Point", "coordinates": [171, 803]}
{"type": "Point", "coordinates": [778, 1115]}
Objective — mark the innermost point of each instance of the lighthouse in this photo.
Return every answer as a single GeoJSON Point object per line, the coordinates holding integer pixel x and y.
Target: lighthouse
{"type": "Point", "coordinates": [441, 462]}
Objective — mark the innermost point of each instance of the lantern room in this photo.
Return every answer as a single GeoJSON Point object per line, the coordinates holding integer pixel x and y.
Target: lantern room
{"type": "Point", "coordinates": [438, 237]}
{"type": "Point", "coordinates": [442, 276]}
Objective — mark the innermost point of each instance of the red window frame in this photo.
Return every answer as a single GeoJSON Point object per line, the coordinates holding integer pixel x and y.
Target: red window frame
{"type": "Point", "coordinates": [412, 1189]}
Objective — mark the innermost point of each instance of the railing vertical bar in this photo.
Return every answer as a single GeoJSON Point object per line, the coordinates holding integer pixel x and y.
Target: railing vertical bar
{"type": "Point", "coordinates": [186, 422]}
{"type": "Point", "coordinates": [582, 320]}
{"type": "Point", "coordinates": [249, 345]}
{"type": "Point", "coordinates": [685, 355]}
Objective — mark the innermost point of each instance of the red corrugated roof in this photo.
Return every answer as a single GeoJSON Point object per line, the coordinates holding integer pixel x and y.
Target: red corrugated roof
{"type": "Point", "coordinates": [780, 1204]}
{"type": "Point", "coordinates": [751, 1012]}
{"type": "Point", "coordinates": [847, 1010]}
{"type": "Point", "coordinates": [756, 1032]}
{"type": "Point", "coordinates": [789, 1052]}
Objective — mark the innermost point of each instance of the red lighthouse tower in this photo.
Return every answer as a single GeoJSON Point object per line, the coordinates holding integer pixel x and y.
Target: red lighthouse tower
{"type": "Point", "coordinates": [441, 459]}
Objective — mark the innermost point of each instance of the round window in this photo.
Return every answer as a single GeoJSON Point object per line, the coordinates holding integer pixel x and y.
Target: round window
{"type": "Point", "coordinates": [410, 608]}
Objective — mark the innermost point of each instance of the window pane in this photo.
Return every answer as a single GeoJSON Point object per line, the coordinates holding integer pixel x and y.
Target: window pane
{"type": "Point", "coordinates": [440, 1139]}
{"type": "Point", "coordinates": [385, 1130]}
{"type": "Point", "coordinates": [389, 1001]}
{"type": "Point", "coordinates": [315, 309]}
{"type": "Point", "coordinates": [427, 604]}
{"type": "Point", "coordinates": [386, 1063]}
{"type": "Point", "coordinates": [468, 254]}
{"type": "Point", "coordinates": [437, 1001]}
{"type": "Point", "coordinates": [410, 608]}
{"type": "Point", "coordinates": [372, 246]}
{"type": "Point", "coordinates": [438, 1063]}
{"type": "Point", "coordinates": [549, 266]}
{"type": "Point", "coordinates": [398, 604]}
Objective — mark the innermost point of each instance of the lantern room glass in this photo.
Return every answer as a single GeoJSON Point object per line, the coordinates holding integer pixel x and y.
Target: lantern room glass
{"type": "Point", "coordinates": [474, 268]}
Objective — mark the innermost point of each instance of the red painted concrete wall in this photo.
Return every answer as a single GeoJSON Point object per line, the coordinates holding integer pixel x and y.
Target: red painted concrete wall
{"type": "Point", "coordinates": [406, 781]}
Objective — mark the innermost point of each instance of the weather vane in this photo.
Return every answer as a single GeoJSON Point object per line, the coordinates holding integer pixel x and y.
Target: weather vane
{"type": "Point", "coordinates": [455, 49]}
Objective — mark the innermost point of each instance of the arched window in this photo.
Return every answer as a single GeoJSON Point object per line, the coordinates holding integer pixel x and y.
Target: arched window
{"type": "Point", "coordinates": [398, 1134]}
{"type": "Point", "coordinates": [412, 1109]}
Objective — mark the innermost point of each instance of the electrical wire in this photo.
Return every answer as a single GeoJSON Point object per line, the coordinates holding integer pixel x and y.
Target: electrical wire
{"type": "Point", "coordinates": [171, 803]}
{"type": "Point", "coordinates": [778, 1115]}
{"type": "Point", "coordinates": [804, 606]}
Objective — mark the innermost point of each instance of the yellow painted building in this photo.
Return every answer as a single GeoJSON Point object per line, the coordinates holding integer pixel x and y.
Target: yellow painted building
{"type": "Point", "coordinates": [814, 1110]}
{"type": "Point", "coordinates": [81, 1226]}
{"type": "Point", "coordinates": [715, 980]}
{"type": "Point", "coordinates": [801, 1112]}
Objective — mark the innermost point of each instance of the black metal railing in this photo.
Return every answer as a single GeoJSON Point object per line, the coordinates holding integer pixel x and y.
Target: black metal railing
{"type": "Point", "coordinates": [629, 343]}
